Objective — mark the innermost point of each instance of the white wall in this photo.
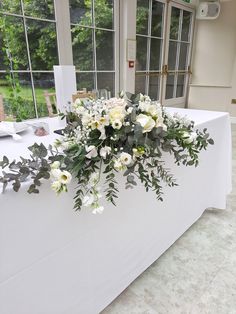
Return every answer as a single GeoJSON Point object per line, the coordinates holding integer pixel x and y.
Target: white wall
{"type": "Point", "coordinates": [214, 62]}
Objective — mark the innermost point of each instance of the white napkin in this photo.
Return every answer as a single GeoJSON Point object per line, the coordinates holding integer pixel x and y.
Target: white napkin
{"type": "Point", "coordinates": [12, 128]}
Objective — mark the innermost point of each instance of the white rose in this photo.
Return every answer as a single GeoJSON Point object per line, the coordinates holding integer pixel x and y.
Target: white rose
{"type": "Point", "coordinates": [189, 138]}
{"type": "Point", "coordinates": [78, 102]}
{"type": "Point", "coordinates": [56, 186]}
{"type": "Point", "coordinates": [105, 151]}
{"type": "Point", "coordinates": [65, 177]}
{"type": "Point", "coordinates": [92, 151]}
{"type": "Point", "coordinates": [117, 113]}
{"type": "Point", "coordinates": [125, 159]}
{"type": "Point", "coordinates": [146, 122]}
{"type": "Point", "coordinates": [116, 124]}
{"type": "Point", "coordinates": [55, 165]}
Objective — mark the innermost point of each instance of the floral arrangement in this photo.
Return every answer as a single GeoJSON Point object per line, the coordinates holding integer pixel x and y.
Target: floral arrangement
{"type": "Point", "coordinates": [127, 134]}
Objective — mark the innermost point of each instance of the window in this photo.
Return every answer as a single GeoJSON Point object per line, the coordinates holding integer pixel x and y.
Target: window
{"type": "Point", "coordinates": [93, 43]}
{"type": "Point", "coordinates": [28, 51]}
{"type": "Point", "coordinates": [163, 58]}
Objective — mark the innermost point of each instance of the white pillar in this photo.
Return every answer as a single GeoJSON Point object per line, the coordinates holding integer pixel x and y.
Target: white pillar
{"type": "Point", "coordinates": [65, 85]}
{"type": "Point", "coordinates": [64, 42]}
{"type": "Point", "coordinates": [127, 31]}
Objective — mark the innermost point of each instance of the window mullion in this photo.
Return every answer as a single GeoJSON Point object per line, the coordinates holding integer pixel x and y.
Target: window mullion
{"type": "Point", "coordinates": [94, 46]}
{"type": "Point", "coordinates": [29, 59]}
{"type": "Point", "coordinates": [149, 45]}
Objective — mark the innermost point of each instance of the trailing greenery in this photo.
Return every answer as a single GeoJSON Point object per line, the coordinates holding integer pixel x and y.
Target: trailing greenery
{"type": "Point", "coordinates": [127, 134]}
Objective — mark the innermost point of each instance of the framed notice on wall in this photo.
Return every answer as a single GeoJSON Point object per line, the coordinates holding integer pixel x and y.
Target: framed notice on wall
{"type": "Point", "coordinates": [131, 50]}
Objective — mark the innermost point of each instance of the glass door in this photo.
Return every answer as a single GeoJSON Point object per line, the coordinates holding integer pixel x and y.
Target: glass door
{"type": "Point", "coordinates": [164, 39]}
{"type": "Point", "coordinates": [176, 68]}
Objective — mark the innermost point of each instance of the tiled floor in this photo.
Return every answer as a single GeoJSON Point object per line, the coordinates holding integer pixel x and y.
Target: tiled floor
{"type": "Point", "coordinates": [197, 275]}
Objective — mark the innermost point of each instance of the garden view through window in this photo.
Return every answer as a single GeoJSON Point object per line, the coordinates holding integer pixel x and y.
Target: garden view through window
{"type": "Point", "coordinates": [29, 50]}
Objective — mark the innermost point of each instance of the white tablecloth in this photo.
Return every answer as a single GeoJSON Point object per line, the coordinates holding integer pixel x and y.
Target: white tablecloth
{"type": "Point", "coordinates": [57, 261]}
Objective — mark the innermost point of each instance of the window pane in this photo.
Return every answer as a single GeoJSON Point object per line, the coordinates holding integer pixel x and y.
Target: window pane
{"type": "Point", "coordinates": [155, 54]}
{"type": "Point", "coordinates": [180, 86]}
{"type": "Point", "coordinates": [81, 12]}
{"type": "Point", "coordinates": [157, 14]}
{"type": "Point", "coordinates": [13, 50]}
{"type": "Point", "coordinates": [106, 81]}
{"type": "Point", "coordinates": [183, 56]}
{"type": "Point", "coordinates": [42, 44]}
{"type": "Point", "coordinates": [174, 24]}
{"type": "Point", "coordinates": [142, 17]}
{"type": "Point", "coordinates": [44, 91]}
{"type": "Point", "coordinates": [154, 85]}
{"type": "Point", "coordinates": [172, 55]}
{"type": "Point", "coordinates": [170, 86]}
{"type": "Point", "coordinates": [140, 83]}
{"type": "Point", "coordinates": [141, 58]}
{"type": "Point", "coordinates": [10, 6]}
{"type": "Point", "coordinates": [104, 13]}
{"type": "Point", "coordinates": [85, 80]}
{"type": "Point", "coordinates": [104, 50]}
{"type": "Point", "coordinates": [186, 25]}
{"type": "Point", "coordinates": [16, 89]}
{"type": "Point", "coordinates": [39, 8]}
{"type": "Point", "coordinates": [82, 44]}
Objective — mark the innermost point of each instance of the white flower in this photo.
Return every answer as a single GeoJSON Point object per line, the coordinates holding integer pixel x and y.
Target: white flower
{"type": "Point", "coordinates": [146, 122]}
{"type": "Point", "coordinates": [56, 186]}
{"type": "Point", "coordinates": [56, 173]}
{"type": "Point", "coordinates": [105, 151]}
{"type": "Point", "coordinates": [130, 109]}
{"type": "Point", "coordinates": [118, 165]}
{"type": "Point", "coordinates": [189, 137]}
{"type": "Point", "coordinates": [94, 178]}
{"type": "Point", "coordinates": [138, 152]}
{"type": "Point", "coordinates": [116, 124]}
{"type": "Point", "coordinates": [78, 102]}
{"type": "Point", "coordinates": [125, 159]}
{"type": "Point", "coordinates": [144, 106]}
{"type": "Point", "coordinates": [88, 200]}
{"type": "Point", "coordinates": [153, 111]}
{"type": "Point", "coordinates": [55, 165]}
{"type": "Point", "coordinates": [92, 151]}
{"type": "Point", "coordinates": [98, 210]}
{"type": "Point", "coordinates": [117, 113]}
{"type": "Point", "coordinates": [65, 177]}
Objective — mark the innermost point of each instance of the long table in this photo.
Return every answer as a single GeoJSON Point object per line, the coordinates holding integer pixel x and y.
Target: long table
{"type": "Point", "coordinates": [54, 260]}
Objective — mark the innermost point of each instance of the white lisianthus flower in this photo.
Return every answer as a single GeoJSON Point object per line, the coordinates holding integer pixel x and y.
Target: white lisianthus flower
{"type": "Point", "coordinates": [116, 124]}
{"type": "Point", "coordinates": [98, 210]}
{"type": "Point", "coordinates": [56, 186]}
{"type": "Point", "coordinates": [118, 165]}
{"type": "Point", "coordinates": [105, 151]}
{"type": "Point", "coordinates": [92, 152]}
{"type": "Point", "coordinates": [125, 158]}
{"type": "Point", "coordinates": [65, 177]}
{"type": "Point", "coordinates": [55, 165]}
{"type": "Point", "coordinates": [88, 200]}
{"type": "Point", "coordinates": [117, 113]}
{"type": "Point", "coordinates": [56, 173]}
{"type": "Point", "coordinates": [146, 122]}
